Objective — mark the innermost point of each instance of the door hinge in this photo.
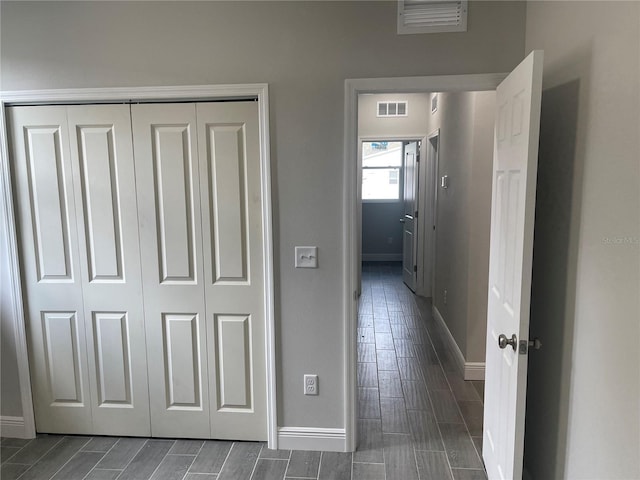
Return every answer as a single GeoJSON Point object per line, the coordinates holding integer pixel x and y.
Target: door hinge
{"type": "Point", "coordinates": [355, 295]}
{"type": "Point", "coordinates": [434, 228]}
{"type": "Point", "coordinates": [415, 268]}
{"type": "Point", "coordinates": [416, 215]}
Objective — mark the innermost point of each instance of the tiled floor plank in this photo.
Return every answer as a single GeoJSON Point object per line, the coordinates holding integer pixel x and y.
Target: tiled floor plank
{"type": "Point", "coordinates": [211, 457]}
{"type": "Point", "coordinates": [304, 464]}
{"type": "Point", "coordinates": [147, 460]}
{"type": "Point", "coordinates": [241, 461]}
{"type": "Point", "coordinates": [399, 457]}
{"type": "Point", "coordinates": [121, 453]}
{"type": "Point", "coordinates": [78, 467]}
{"type": "Point", "coordinates": [55, 459]}
{"type": "Point", "coordinates": [335, 466]}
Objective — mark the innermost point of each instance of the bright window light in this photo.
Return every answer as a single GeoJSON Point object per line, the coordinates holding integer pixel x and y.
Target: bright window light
{"type": "Point", "coordinates": [381, 164]}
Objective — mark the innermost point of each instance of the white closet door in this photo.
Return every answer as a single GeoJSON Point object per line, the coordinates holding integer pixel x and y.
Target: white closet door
{"type": "Point", "coordinates": [104, 183]}
{"type": "Point", "coordinates": [228, 140]}
{"type": "Point", "coordinates": [168, 192]}
{"type": "Point", "coordinates": [51, 269]}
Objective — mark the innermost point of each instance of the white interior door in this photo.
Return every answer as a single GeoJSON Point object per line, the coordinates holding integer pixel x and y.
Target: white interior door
{"type": "Point", "coordinates": [410, 218]}
{"type": "Point", "coordinates": [166, 157]}
{"type": "Point", "coordinates": [228, 140]}
{"type": "Point", "coordinates": [107, 225]}
{"type": "Point", "coordinates": [52, 280]}
{"type": "Point", "coordinates": [80, 261]}
{"type": "Point", "coordinates": [512, 217]}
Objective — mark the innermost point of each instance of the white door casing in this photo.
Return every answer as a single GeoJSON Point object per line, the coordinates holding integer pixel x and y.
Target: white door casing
{"type": "Point", "coordinates": [511, 250]}
{"type": "Point", "coordinates": [410, 219]}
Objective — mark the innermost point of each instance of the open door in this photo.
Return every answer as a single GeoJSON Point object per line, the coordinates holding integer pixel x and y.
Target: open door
{"type": "Point", "coordinates": [512, 217]}
{"type": "Point", "coordinates": [410, 218]}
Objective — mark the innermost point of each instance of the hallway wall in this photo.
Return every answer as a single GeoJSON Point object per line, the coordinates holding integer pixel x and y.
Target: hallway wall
{"type": "Point", "coordinates": [583, 403]}
{"type": "Point", "coordinates": [463, 220]}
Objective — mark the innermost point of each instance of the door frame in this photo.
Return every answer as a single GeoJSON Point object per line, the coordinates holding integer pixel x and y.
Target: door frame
{"type": "Point", "coordinates": [194, 93]}
{"type": "Point", "coordinates": [417, 137]}
{"type": "Point", "coordinates": [432, 160]}
{"type": "Point", "coordinates": [351, 236]}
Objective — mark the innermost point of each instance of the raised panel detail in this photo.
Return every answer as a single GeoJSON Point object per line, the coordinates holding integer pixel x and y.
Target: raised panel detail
{"type": "Point", "coordinates": [62, 359]}
{"type": "Point", "coordinates": [172, 168]}
{"type": "Point", "coordinates": [511, 241]}
{"type": "Point", "coordinates": [518, 113]}
{"type": "Point", "coordinates": [233, 362]}
{"type": "Point", "coordinates": [227, 187]}
{"type": "Point", "coordinates": [98, 166]}
{"type": "Point", "coordinates": [49, 214]}
{"type": "Point", "coordinates": [500, 218]}
{"type": "Point", "coordinates": [183, 380]}
{"type": "Point", "coordinates": [112, 350]}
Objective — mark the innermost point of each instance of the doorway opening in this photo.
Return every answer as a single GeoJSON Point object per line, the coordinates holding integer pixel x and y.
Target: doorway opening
{"type": "Point", "coordinates": [408, 376]}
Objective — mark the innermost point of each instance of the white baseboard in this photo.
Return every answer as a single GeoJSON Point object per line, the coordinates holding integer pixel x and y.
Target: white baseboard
{"type": "Point", "coordinates": [12, 427]}
{"type": "Point", "coordinates": [381, 257]}
{"type": "Point", "coordinates": [469, 370]}
{"type": "Point", "coordinates": [474, 371]}
{"type": "Point", "coordinates": [305, 438]}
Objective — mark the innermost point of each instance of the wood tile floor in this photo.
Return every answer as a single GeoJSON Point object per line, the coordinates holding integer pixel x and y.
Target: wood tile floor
{"type": "Point", "coordinates": [418, 419]}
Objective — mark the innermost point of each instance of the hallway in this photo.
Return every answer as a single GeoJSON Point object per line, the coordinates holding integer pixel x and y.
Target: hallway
{"type": "Point", "coordinates": [418, 418]}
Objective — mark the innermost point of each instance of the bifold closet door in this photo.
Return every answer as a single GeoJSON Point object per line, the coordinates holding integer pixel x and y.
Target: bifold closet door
{"type": "Point", "coordinates": [228, 140]}
{"type": "Point", "coordinates": [74, 178]}
{"type": "Point", "coordinates": [199, 193]}
{"type": "Point", "coordinates": [166, 155]}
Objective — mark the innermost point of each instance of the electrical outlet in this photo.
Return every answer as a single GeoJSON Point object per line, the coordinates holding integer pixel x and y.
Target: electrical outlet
{"type": "Point", "coordinates": [311, 384]}
{"type": "Point", "coordinates": [445, 297]}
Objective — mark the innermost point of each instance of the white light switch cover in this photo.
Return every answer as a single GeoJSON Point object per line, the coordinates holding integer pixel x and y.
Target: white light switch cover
{"type": "Point", "coordinates": [306, 257]}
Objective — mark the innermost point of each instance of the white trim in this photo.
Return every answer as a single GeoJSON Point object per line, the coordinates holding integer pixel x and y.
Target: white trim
{"type": "Point", "coordinates": [474, 370]}
{"type": "Point", "coordinates": [352, 88]}
{"type": "Point", "coordinates": [469, 370]}
{"type": "Point", "coordinates": [381, 257]}
{"type": "Point", "coordinates": [451, 342]}
{"type": "Point", "coordinates": [123, 94]}
{"type": "Point", "coordinates": [13, 427]}
{"type": "Point", "coordinates": [305, 438]}
{"type": "Point", "coordinates": [15, 286]}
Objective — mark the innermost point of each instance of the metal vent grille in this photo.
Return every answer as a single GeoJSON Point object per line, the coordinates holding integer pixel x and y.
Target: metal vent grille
{"type": "Point", "coordinates": [432, 16]}
{"type": "Point", "coordinates": [392, 109]}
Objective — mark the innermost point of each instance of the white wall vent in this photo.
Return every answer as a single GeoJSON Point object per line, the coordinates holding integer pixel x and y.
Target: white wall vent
{"type": "Point", "coordinates": [392, 109]}
{"type": "Point", "coordinates": [432, 16]}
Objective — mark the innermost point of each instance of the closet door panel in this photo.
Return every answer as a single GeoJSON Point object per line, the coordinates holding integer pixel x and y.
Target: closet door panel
{"type": "Point", "coordinates": [166, 155]}
{"type": "Point", "coordinates": [231, 195]}
{"type": "Point", "coordinates": [49, 257]}
{"type": "Point", "coordinates": [104, 181]}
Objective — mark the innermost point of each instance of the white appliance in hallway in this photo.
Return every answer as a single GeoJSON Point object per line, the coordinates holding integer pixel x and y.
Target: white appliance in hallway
{"type": "Point", "coordinates": [143, 268]}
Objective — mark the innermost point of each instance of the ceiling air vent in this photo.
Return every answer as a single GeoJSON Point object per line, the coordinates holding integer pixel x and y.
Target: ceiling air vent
{"type": "Point", "coordinates": [432, 16]}
{"type": "Point", "coordinates": [392, 109]}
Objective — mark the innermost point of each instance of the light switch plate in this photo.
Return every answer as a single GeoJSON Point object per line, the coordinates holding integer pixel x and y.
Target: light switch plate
{"type": "Point", "coordinates": [306, 257]}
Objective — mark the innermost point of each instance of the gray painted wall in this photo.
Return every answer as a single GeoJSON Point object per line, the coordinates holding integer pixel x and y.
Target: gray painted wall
{"type": "Point", "coordinates": [583, 410]}
{"type": "Point", "coordinates": [463, 214]}
{"type": "Point", "coordinates": [305, 51]}
{"type": "Point", "coordinates": [380, 220]}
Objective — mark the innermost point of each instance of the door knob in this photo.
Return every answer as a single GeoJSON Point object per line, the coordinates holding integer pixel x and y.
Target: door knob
{"type": "Point", "coordinates": [503, 341]}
